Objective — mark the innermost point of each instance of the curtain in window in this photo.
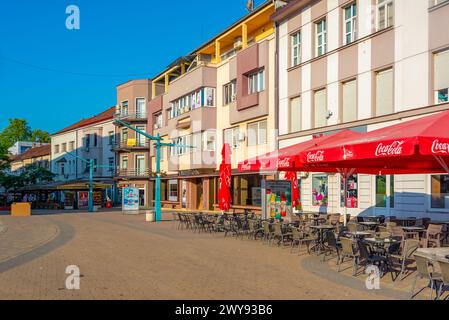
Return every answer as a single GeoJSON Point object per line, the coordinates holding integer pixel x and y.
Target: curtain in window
{"type": "Point", "coordinates": [350, 101]}
{"type": "Point", "coordinates": [384, 92]}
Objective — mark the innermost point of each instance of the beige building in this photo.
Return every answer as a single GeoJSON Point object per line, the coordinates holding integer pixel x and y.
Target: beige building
{"type": "Point", "coordinates": [221, 92]}
{"type": "Point", "coordinates": [37, 156]}
{"type": "Point", "coordinates": [363, 65]}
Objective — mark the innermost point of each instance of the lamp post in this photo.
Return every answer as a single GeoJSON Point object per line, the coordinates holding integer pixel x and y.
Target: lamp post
{"type": "Point", "coordinates": [159, 144]}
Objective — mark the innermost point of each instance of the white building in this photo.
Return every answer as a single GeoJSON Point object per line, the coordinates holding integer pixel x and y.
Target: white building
{"type": "Point", "coordinates": [21, 147]}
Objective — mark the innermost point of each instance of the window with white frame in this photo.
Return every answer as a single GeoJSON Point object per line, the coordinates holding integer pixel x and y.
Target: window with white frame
{"type": "Point", "coordinates": [209, 138]}
{"type": "Point", "coordinates": [350, 23]}
{"type": "Point", "coordinates": [384, 92]}
{"type": "Point", "coordinates": [229, 92]}
{"type": "Point", "coordinates": [385, 14]}
{"type": "Point", "coordinates": [158, 121]}
{"type": "Point", "coordinates": [231, 137]}
{"type": "Point", "coordinates": [125, 163]}
{"type": "Point", "coordinates": [124, 108]}
{"type": "Point", "coordinates": [56, 149]}
{"type": "Point", "coordinates": [256, 82]}
{"type": "Point", "coordinates": [64, 147]}
{"type": "Point", "coordinates": [140, 108]}
{"type": "Point", "coordinates": [72, 145]}
{"type": "Point", "coordinates": [296, 48]}
{"type": "Point", "coordinates": [257, 133]}
{"type": "Point", "coordinates": [321, 37]}
{"type": "Point", "coordinates": [173, 190]}
{"type": "Point", "coordinates": [349, 101]}
{"type": "Point", "coordinates": [441, 82]}
{"type": "Point", "coordinates": [111, 137]}
{"type": "Point", "coordinates": [295, 114]}
{"type": "Point", "coordinates": [320, 104]}
{"type": "Point", "coordinates": [204, 97]}
{"type": "Point", "coordinates": [439, 186]}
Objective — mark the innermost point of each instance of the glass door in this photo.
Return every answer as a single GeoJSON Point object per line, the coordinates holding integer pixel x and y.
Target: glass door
{"type": "Point", "coordinates": [140, 108]}
{"type": "Point", "coordinates": [140, 138]}
{"type": "Point", "coordinates": [384, 195]}
{"type": "Point", "coordinates": [184, 193]}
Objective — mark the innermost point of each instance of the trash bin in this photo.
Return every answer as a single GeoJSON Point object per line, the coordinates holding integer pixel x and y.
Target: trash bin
{"type": "Point", "coordinates": [149, 216]}
{"type": "Point", "coordinates": [21, 209]}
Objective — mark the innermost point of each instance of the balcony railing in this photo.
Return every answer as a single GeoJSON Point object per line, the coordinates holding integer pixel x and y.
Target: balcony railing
{"type": "Point", "coordinates": [131, 116]}
{"type": "Point", "coordinates": [133, 173]}
{"type": "Point", "coordinates": [124, 145]}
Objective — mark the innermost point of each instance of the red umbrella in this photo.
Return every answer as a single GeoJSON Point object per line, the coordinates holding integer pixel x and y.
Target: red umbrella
{"type": "Point", "coordinates": [413, 147]}
{"type": "Point", "coordinates": [224, 192]}
{"type": "Point", "coordinates": [292, 176]}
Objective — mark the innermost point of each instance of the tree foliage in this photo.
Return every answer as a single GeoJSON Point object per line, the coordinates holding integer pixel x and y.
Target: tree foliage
{"type": "Point", "coordinates": [20, 130]}
{"type": "Point", "coordinates": [30, 175]}
{"type": "Point", "coordinates": [40, 136]}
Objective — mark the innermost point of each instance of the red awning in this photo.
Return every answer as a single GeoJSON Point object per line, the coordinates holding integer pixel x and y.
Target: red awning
{"type": "Point", "coordinates": [286, 159]}
{"type": "Point", "coordinates": [412, 147]}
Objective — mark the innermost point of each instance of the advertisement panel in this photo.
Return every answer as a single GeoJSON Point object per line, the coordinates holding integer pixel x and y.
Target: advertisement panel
{"type": "Point", "coordinates": [277, 197]}
{"type": "Point", "coordinates": [130, 199]}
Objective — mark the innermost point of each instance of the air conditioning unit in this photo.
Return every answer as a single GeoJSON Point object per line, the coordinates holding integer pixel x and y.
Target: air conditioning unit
{"type": "Point", "coordinates": [238, 43]}
{"type": "Point", "coordinates": [241, 137]}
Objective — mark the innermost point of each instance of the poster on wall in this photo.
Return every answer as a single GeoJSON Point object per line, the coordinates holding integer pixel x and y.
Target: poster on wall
{"type": "Point", "coordinates": [277, 197]}
{"type": "Point", "coordinates": [69, 200]}
{"type": "Point", "coordinates": [130, 199]}
{"type": "Point", "coordinates": [83, 199]}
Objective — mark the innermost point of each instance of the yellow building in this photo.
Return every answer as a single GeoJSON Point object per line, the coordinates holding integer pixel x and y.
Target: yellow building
{"type": "Point", "coordinates": [38, 156]}
{"type": "Point", "coordinates": [222, 92]}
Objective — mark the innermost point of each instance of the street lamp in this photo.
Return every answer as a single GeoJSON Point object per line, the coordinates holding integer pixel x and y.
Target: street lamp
{"type": "Point", "coordinates": [158, 144]}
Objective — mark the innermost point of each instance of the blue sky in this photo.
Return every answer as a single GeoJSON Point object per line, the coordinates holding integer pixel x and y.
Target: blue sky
{"type": "Point", "coordinates": [118, 41]}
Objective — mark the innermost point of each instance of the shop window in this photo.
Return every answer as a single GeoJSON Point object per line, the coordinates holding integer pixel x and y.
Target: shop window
{"type": "Point", "coordinates": [173, 190]}
{"type": "Point", "coordinates": [385, 191]}
{"type": "Point", "coordinates": [247, 190]}
{"type": "Point", "coordinates": [440, 192]}
{"type": "Point", "coordinates": [320, 189]}
{"type": "Point", "coordinates": [352, 196]}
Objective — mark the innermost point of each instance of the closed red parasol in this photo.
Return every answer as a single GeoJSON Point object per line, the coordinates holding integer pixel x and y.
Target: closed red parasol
{"type": "Point", "coordinates": [224, 192]}
{"type": "Point", "coordinates": [293, 177]}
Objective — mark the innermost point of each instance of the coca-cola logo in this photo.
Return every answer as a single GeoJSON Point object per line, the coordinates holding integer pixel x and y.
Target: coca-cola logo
{"type": "Point", "coordinates": [393, 149]}
{"type": "Point", "coordinates": [315, 156]}
{"type": "Point", "coordinates": [440, 147]}
{"type": "Point", "coordinates": [284, 163]}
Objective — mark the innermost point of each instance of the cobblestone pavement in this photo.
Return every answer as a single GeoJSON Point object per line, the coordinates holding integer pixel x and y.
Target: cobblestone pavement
{"type": "Point", "coordinates": [123, 257]}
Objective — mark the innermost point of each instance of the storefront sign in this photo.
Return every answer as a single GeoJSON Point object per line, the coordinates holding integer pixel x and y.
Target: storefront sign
{"type": "Point", "coordinates": [277, 199]}
{"type": "Point", "coordinates": [130, 199]}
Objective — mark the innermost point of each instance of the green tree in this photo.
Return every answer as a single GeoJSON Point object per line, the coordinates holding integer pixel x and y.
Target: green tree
{"type": "Point", "coordinates": [41, 136]}
{"type": "Point", "coordinates": [17, 130]}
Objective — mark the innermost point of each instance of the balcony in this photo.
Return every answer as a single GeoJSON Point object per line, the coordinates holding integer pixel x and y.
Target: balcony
{"type": "Point", "coordinates": [125, 145]}
{"type": "Point", "coordinates": [133, 173]}
{"type": "Point", "coordinates": [132, 116]}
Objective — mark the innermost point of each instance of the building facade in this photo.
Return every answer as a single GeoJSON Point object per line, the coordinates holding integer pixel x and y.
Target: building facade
{"type": "Point", "coordinates": [363, 65]}
{"type": "Point", "coordinates": [222, 92]}
{"type": "Point", "coordinates": [132, 150]}
{"type": "Point", "coordinates": [93, 138]}
{"type": "Point", "coordinates": [39, 156]}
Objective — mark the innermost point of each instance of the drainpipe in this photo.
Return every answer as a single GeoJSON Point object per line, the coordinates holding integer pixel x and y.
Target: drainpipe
{"type": "Point", "coordinates": [276, 92]}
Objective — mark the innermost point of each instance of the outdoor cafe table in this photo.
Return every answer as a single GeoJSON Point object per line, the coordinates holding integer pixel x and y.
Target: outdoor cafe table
{"type": "Point", "coordinates": [434, 254]}
{"type": "Point", "coordinates": [359, 234]}
{"type": "Point", "coordinates": [317, 220]}
{"type": "Point", "coordinates": [383, 244]}
{"type": "Point", "coordinates": [413, 231]}
{"type": "Point", "coordinates": [320, 245]}
{"type": "Point", "coordinates": [371, 225]}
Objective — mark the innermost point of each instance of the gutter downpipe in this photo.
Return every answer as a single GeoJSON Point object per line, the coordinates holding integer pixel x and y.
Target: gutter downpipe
{"type": "Point", "coordinates": [276, 91]}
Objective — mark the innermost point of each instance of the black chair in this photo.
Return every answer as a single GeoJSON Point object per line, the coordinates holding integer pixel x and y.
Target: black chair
{"type": "Point", "coordinates": [367, 257]}
{"type": "Point", "coordinates": [332, 245]}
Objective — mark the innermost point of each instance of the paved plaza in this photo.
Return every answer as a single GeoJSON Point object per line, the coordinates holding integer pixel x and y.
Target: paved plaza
{"type": "Point", "coordinates": [124, 257]}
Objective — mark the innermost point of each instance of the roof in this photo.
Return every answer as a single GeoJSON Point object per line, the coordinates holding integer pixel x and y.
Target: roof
{"type": "Point", "coordinates": [33, 153]}
{"type": "Point", "coordinates": [292, 7]}
{"type": "Point", "coordinates": [105, 115]}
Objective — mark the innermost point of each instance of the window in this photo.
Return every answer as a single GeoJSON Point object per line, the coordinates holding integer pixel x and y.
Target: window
{"type": "Point", "coordinates": [140, 140]}
{"type": "Point", "coordinates": [72, 145]}
{"type": "Point", "coordinates": [204, 97]}
{"type": "Point", "coordinates": [57, 148]}
{"type": "Point", "coordinates": [321, 38]}
{"type": "Point", "coordinates": [441, 82]}
{"type": "Point", "coordinates": [257, 133]}
{"type": "Point", "coordinates": [183, 149]}
{"type": "Point", "coordinates": [350, 23]}
{"type": "Point", "coordinates": [125, 136]}
{"type": "Point", "coordinates": [385, 14]}
{"type": "Point", "coordinates": [229, 93]}
{"type": "Point", "coordinates": [124, 108]}
{"type": "Point", "coordinates": [173, 190]}
{"type": "Point", "coordinates": [111, 164]}
{"type": "Point", "coordinates": [256, 82]}
{"type": "Point", "coordinates": [437, 2]}
{"type": "Point", "coordinates": [158, 121]}
{"type": "Point", "coordinates": [384, 92]}
{"type": "Point", "coordinates": [95, 165]}
{"type": "Point", "coordinates": [111, 136]}
{"type": "Point", "coordinates": [296, 49]}
{"type": "Point", "coordinates": [231, 137]}
{"type": "Point", "coordinates": [295, 114]}
{"type": "Point", "coordinates": [350, 101]}
{"type": "Point", "coordinates": [320, 187]}
{"type": "Point", "coordinates": [440, 192]}
{"type": "Point", "coordinates": [87, 141]}
{"type": "Point", "coordinates": [320, 108]}
{"type": "Point", "coordinates": [95, 139]}
{"type": "Point", "coordinates": [140, 165]}
{"type": "Point", "coordinates": [209, 140]}
{"type": "Point", "coordinates": [352, 194]}
{"type": "Point", "coordinates": [246, 190]}
{"type": "Point", "coordinates": [140, 108]}
{"type": "Point", "coordinates": [64, 147]}
{"type": "Point", "coordinates": [125, 163]}
{"type": "Point", "coordinates": [384, 191]}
